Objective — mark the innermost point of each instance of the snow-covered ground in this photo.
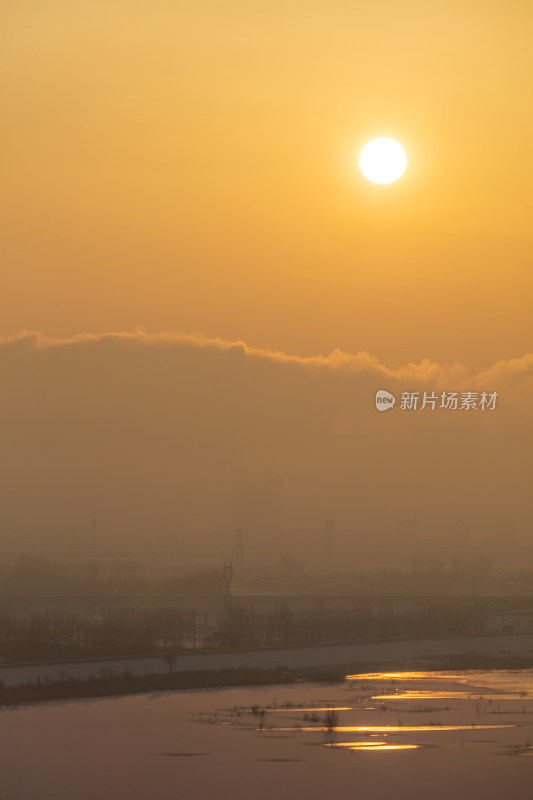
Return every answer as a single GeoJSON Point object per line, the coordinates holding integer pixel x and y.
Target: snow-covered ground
{"type": "Point", "coordinates": [297, 657]}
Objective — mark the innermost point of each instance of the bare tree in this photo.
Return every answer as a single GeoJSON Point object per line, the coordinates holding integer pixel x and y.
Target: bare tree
{"type": "Point", "coordinates": [331, 720]}
{"type": "Point", "coordinates": [170, 659]}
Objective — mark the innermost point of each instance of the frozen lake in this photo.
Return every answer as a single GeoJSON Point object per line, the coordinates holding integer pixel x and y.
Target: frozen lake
{"type": "Point", "coordinates": [406, 735]}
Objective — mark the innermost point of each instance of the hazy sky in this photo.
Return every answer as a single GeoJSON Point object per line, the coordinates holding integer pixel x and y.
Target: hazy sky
{"type": "Point", "coordinates": [149, 433]}
{"type": "Point", "coordinates": [189, 169]}
{"type": "Point", "coordinates": [192, 167]}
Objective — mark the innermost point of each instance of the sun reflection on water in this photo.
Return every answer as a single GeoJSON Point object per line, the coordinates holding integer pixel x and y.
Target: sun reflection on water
{"type": "Point", "coordinates": [372, 746]}
{"type": "Point", "coordinates": [465, 690]}
{"type": "Point", "coordinates": [405, 676]}
{"type": "Point", "coordinates": [392, 728]}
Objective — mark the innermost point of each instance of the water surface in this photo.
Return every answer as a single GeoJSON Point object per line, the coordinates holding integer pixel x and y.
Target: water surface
{"type": "Point", "coordinates": [433, 735]}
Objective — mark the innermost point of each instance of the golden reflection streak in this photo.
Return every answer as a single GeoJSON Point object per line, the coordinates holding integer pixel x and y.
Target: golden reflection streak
{"type": "Point", "coordinates": [414, 695]}
{"type": "Point", "coordinates": [372, 745]}
{"type": "Point", "coordinates": [310, 708]}
{"type": "Point", "coordinates": [407, 676]}
{"type": "Point", "coordinates": [393, 728]}
{"type": "Point", "coordinates": [428, 695]}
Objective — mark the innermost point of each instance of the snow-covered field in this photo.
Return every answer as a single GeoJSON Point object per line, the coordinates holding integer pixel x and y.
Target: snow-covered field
{"type": "Point", "coordinates": [297, 657]}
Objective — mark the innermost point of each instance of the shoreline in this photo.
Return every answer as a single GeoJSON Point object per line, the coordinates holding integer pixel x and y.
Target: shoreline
{"type": "Point", "coordinates": [292, 658]}
{"type": "Point", "coordinates": [127, 684]}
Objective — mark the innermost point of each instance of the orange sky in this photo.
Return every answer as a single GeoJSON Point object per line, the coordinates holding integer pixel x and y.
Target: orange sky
{"type": "Point", "coordinates": [184, 174]}
{"type": "Point", "coordinates": [191, 167]}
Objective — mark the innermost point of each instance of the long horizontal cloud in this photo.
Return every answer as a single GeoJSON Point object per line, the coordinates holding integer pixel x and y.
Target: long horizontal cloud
{"type": "Point", "coordinates": [425, 370]}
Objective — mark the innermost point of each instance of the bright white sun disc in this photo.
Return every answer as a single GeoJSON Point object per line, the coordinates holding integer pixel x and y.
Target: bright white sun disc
{"type": "Point", "coordinates": [382, 160]}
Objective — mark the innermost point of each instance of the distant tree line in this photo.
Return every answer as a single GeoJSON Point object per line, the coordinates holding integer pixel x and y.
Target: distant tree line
{"type": "Point", "coordinates": [135, 615]}
{"type": "Point", "coordinates": [137, 630]}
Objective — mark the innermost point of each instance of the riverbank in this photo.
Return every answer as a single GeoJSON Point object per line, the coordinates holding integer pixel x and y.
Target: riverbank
{"type": "Point", "coordinates": [111, 684]}
{"type": "Point", "coordinates": [292, 658]}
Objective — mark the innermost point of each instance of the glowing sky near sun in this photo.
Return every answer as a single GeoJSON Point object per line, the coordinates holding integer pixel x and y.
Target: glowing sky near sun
{"type": "Point", "coordinates": [192, 167]}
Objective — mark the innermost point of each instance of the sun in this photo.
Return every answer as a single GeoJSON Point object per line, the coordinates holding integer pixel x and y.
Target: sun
{"type": "Point", "coordinates": [382, 160]}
